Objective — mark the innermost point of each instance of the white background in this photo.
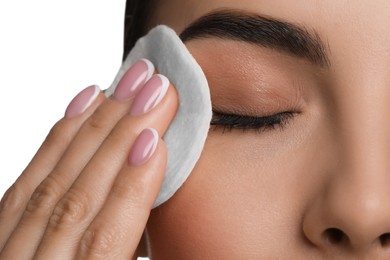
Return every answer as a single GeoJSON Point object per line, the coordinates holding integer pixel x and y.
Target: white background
{"type": "Point", "coordinates": [49, 51]}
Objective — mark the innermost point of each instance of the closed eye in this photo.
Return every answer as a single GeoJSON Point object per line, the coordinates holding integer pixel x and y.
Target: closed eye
{"type": "Point", "coordinates": [229, 122]}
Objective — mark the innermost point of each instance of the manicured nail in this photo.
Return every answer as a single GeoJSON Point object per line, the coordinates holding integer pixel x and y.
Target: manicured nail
{"type": "Point", "coordinates": [150, 95]}
{"type": "Point", "coordinates": [82, 101]}
{"type": "Point", "coordinates": [134, 79]}
{"type": "Point", "coordinates": [144, 146]}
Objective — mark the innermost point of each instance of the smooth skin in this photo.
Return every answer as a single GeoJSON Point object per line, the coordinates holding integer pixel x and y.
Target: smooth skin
{"type": "Point", "coordinates": [317, 188]}
{"type": "Point", "coordinates": [79, 197]}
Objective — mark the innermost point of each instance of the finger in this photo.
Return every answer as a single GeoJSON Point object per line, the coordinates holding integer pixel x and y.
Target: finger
{"type": "Point", "coordinates": [14, 201]}
{"type": "Point", "coordinates": [117, 229]}
{"type": "Point", "coordinates": [81, 149]}
{"type": "Point", "coordinates": [84, 199]}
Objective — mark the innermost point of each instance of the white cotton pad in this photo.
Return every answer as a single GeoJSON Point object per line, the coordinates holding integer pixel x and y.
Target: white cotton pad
{"type": "Point", "coordinates": [187, 134]}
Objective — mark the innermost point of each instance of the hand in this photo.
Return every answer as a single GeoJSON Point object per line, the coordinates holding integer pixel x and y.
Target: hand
{"type": "Point", "coordinates": [88, 191]}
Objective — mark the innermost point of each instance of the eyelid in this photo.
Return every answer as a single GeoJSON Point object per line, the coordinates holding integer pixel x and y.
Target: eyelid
{"type": "Point", "coordinates": [232, 121]}
{"type": "Point", "coordinates": [256, 104]}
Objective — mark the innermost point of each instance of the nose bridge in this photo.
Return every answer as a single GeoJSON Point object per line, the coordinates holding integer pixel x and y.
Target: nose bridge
{"type": "Point", "coordinates": [353, 209]}
{"type": "Point", "coordinates": [365, 124]}
{"type": "Point", "coordinates": [358, 194]}
{"type": "Point", "coordinates": [364, 127]}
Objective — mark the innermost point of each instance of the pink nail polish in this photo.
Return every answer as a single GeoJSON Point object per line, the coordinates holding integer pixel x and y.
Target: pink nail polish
{"type": "Point", "coordinates": [134, 79]}
{"type": "Point", "coordinates": [144, 146]}
{"type": "Point", "coordinates": [150, 95]}
{"type": "Point", "coordinates": [82, 101]}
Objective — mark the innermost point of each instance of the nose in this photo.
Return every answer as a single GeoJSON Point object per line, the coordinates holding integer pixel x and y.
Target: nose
{"type": "Point", "coordinates": [351, 210]}
{"type": "Point", "coordinates": [349, 216]}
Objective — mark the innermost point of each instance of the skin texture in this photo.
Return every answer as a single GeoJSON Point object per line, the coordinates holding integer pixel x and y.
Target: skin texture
{"type": "Point", "coordinates": [81, 197]}
{"type": "Point", "coordinates": [316, 188]}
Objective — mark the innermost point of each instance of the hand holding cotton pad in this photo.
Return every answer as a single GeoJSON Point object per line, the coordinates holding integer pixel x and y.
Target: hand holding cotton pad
{"type": "Point", "coordinates": [187, 133]}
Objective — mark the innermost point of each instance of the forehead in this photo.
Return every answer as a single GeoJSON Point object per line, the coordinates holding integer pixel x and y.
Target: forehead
{"type": "Point", "coordinates": [334, 17]}
{"type": "Point", "coordinates": [355, 31]}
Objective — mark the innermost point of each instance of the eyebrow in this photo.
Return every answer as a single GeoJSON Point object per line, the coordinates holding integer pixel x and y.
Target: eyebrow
{"type": "Point", "coordinates": [260, 30]}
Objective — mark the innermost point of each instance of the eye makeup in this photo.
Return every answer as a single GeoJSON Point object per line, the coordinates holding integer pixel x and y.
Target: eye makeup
{"type": "Point", "coordinates": [229, 122]}
{"type": "Point", "coordinates": [253, 89]}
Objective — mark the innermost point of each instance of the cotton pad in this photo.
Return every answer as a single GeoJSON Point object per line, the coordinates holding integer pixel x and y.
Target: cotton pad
{"type": "Point", "coordinates": [187, 134]}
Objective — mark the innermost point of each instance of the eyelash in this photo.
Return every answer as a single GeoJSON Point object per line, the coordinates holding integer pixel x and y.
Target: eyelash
{"type": "Point", "coordinates": [228, 122]}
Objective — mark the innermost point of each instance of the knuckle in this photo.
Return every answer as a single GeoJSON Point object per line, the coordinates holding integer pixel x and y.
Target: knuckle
{"type": "Point", "coordinates": [119, 190]}
{"type": "Point", "coordinates": [135, 194]}
{"type": "Point", "coordinates": [124, 128]}
{"type": "Point", "coordinates": [69, 211]}
{"type": "Point", "coordinates": [44, 198]}
{"type": "Point", "coordinates": [99, 241]}
{"type": "Point", "coordinates": [13, 200]}
{"type": "Point", "coordinates": [58, 134]}
{"type": "Point", "coordinates": [98, 120]}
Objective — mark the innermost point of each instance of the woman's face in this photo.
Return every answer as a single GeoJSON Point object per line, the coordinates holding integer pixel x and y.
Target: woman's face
{"type": "Point", "coordinates": [313, 183]}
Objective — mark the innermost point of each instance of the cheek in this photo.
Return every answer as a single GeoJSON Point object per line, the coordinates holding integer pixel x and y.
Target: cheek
{"type": "Point", "coordinates": [247, 195]}
{"type": "Point", "coordinates": [238, 199]}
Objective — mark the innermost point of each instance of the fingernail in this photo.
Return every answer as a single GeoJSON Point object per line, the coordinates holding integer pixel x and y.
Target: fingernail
{"type": "Point", "coordinates": [144, 146]}
{"type": "Point", "coordinates": [150, 95]}
{"type": "Point", "coordinates": [82, 101]}
{"type": "Point", "coordinates": [134, 79]}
